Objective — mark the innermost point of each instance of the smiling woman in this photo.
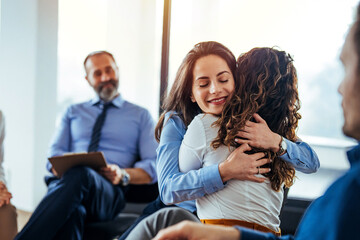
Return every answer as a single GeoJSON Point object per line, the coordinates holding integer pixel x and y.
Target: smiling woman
{"type": "Point", "coordinates": [54, 37]}
{"type": "Point", "coordinates": [213, 84]}
{"type": "Point", "coordinates": [290, 25]}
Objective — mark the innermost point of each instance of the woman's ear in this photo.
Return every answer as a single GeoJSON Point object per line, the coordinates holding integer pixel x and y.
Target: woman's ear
{"type": "Point", "coordinates": [192, 98]}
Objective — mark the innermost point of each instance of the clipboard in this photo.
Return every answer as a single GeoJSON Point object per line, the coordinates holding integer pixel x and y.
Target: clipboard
{"type": "Point", "coordinates": [63, 163]}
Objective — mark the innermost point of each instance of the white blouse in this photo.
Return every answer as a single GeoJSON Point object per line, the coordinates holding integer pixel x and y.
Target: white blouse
{"type": "Point", "coordinates": [241, 200]}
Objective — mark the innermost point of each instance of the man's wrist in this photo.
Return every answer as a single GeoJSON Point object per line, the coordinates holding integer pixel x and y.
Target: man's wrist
{"type": "Point", "coordinates": [125, 177]}
{"type": "Point", "coordinates": [282, 147]}
{"type": "Point", "coordinates": [276, 143]}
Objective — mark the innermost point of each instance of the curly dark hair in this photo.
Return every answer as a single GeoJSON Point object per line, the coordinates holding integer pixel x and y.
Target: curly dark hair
{"type": "Point", "coordinates": [267, 85]}
{"type": "Point", "coordinates": [179, 99]}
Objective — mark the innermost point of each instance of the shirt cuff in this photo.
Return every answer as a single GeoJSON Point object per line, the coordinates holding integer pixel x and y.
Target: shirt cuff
{"type": "Point", "coordinates": [211, 179]}
{"type": "Point", "coordinates": [292, 156]}
{"type": "Point", "coordinates": [301, 156]}
{"type": "Point", "coordinates": [149, 167]}
{"type": "Point", "coordinates": [289, 152]}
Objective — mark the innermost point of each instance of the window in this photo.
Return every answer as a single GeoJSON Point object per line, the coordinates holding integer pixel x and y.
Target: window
{"type": "Point", "coordinates": [312, 32]}
{"type": "Point", "coordinates": [131, 30]}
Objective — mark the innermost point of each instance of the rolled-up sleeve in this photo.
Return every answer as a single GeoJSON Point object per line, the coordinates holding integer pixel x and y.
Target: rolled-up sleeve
{"type": "Point", "coordinates": [147, 146]}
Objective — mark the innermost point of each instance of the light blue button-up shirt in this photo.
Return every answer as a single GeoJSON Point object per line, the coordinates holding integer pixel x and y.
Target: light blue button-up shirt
{"type": "Point", "coordinates": [178, 187]}
{"type": "Point", "coordinates": [127, 136]}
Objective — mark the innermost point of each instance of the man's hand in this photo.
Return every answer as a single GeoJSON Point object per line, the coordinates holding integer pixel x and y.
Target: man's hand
{"type": "Point", "coordinates": [112, 173]}
{"type": "Point", "coordinates": [5, 195]}
{"type": "Point", "coordinates": [2, 186]}
{"type": "Point", "coordinates": [258, 134]}
{"type": "Point", "coordinates": [187, 230]}
{"type": "Point", "coordinates": [54, 172]}
{"type": "Point", "coordinates": [242, 166]}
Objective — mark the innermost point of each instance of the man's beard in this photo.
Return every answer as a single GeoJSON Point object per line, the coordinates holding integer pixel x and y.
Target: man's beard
{"type": "Point", "coordinates": [108, 93]}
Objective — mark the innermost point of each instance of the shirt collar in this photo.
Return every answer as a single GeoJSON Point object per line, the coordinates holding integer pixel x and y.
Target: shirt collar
{"type": "Point", "coordinates": [354, 154]}
{"type": "Point", "coordinates": [117, 101]}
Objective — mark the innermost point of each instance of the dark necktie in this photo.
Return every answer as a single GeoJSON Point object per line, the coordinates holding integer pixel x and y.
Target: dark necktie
{"type": "Point", "coordinates": [96, 132]}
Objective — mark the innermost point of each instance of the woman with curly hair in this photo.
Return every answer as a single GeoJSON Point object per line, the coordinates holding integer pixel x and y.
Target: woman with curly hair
{"type": "Point", "coordinates": [267, 87]}
{"type": "Point", "coordinates": [203, 84]}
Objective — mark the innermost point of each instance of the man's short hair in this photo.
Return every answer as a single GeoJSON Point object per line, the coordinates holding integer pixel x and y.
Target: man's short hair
{"type": "Point", "coordinates": [97, 53]}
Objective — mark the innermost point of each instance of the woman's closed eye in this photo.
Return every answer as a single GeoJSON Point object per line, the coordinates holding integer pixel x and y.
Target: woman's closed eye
{"type": "Point", "coordinates": [203, 83]}
{"type": "Point", "coordinates": [223, 80]}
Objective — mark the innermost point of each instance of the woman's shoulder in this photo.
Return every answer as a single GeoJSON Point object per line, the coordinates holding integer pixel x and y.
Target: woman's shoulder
{"type": "Point", "coordinates": [173, 122]}
{"type": "Point", "coordinates": [203, 123]}
{"type": "Point", "coordinates": [174, 117]}
{"type": "Point", "coordinates": [172, 114]}
{"type": "Point", "coordinates": [206, 118]}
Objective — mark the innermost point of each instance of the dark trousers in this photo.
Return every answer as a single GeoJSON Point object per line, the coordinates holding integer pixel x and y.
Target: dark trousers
{"type": "Point", "coordinates": [151, 208]}
{"type": "Point", "coordinates": [81, 195]}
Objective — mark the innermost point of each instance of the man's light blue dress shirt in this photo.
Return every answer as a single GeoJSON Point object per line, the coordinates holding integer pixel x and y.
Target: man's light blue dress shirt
{"type": "Point", "coordinates": [177, 187]}
{"type": "Point", "coordinates": [127, 137]}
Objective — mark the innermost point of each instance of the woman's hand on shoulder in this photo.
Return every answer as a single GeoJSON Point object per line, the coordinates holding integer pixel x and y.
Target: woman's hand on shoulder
{"type": "Point", "coordinates": [259, 135]}
{"type": "Point", "coordinates": [242, 166]}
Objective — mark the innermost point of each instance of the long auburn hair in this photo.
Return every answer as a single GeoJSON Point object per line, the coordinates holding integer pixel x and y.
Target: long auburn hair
{"type": "Point", "coordinates": [267, 85]}
{"type": "Point", "coordinates": [179, 99]}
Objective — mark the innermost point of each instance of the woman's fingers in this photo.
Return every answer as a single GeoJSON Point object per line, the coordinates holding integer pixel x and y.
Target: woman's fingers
{"type": "Point", "coordinates": [244, 147]}
{"type": "Point", "coordinates": [258, 118]}
{"type": "Point", "coordinates": [242, 141]}
{"type": "Point", "coordinates": [250, 124]}
{"type": "Point", "coordinates": [262, 162]}
{"type": "Point", "coordinates": [258, 155]}
{"type": "Point", "coordinates": [264, 170]}
{"type": "Point", "coordinates": [243, 134]}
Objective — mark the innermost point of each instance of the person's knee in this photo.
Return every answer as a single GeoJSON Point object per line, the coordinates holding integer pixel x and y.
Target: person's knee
{"type": "Point", "coordinates": [9, 211]}
{"type": "Point", "coordinates": [181, 213]}
{"type": "Point", "coordinates": [173, 215]}
{"type": "Point", "coordinates": [80, 175]}
{"type": "Point", "coordinates": [163, 218]}
{"type": "Point", "coordinates": [79, 171]}
{"type": "Point", "coordinates": [8, 222]}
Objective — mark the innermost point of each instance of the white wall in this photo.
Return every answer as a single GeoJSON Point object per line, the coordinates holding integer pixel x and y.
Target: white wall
{"type": "Point", "coordinates": [130, 30]}
{"type": "Point", "coordinates": [28, 66]}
